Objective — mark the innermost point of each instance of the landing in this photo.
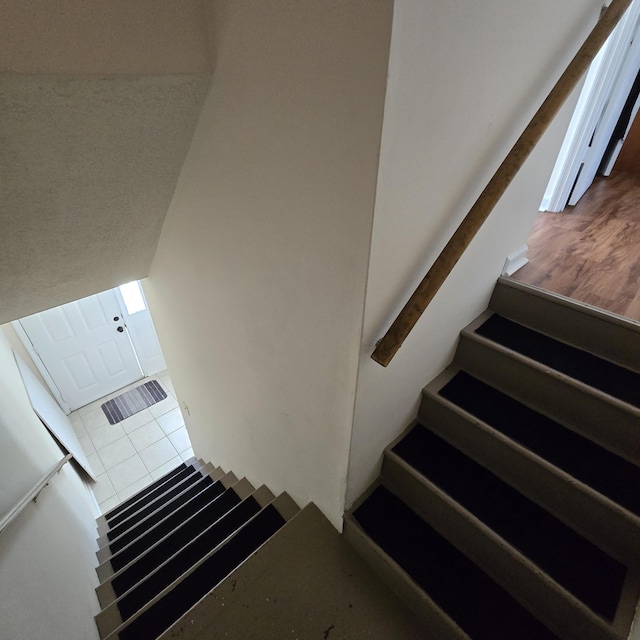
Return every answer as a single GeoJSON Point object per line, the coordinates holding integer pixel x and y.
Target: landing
{"type": "Point", "coordinates": [307, 583]}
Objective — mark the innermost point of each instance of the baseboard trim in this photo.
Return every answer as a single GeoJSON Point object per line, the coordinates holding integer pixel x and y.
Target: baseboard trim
{"type": "Point", "coordinates": [515, 261]}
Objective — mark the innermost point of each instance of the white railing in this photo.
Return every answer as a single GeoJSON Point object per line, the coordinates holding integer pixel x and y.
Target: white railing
{"type": "Point", "coordinates": [32, 494]}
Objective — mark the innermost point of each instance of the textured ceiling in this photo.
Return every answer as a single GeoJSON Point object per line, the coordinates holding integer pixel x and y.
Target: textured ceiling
{"type": "Point", "coordinates": [88, 167]}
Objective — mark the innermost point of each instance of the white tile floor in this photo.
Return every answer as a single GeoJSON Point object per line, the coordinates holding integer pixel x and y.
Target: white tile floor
{"type": "Point", "coordinates": [133, 453]}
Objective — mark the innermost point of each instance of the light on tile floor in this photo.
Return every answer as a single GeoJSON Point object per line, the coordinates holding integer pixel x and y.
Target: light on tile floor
{"type": "Point", "coordinates": [133, 453]}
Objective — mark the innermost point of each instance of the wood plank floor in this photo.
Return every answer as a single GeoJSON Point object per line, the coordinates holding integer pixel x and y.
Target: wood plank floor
{"type": "Point", "coordinates": [591, 252]}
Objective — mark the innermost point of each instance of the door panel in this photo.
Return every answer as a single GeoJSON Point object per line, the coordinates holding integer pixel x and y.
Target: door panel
{"type": "Point", "coordinates": [52, 417]}
{"type": "Point", "coordinates": [82, 349]}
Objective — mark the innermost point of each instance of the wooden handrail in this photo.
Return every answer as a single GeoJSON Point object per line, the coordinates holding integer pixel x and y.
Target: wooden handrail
{"type": "Point", "coordinates": [442, 267]}
{"type": "Point", "coordinates": [32, 494]}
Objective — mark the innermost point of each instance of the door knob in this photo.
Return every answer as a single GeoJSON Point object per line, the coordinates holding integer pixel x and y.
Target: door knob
{"type": "Point", "coordinates": [120, 329]}
{"type": "Point", "coordinates": [116, 318]}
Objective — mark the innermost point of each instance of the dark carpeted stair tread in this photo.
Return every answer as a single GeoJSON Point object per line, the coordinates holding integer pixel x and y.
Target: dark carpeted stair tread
{"type": "Point", "coordinates": [602, 470]}
{"type": "Point", "coordinates": [182, 535]}
{"type": "Point", "coordinates": [159, 514]}
{"type": "Point", "coordinates": [150, 493]}
{"type": "Point", "coordinates": [166, 526]}
{"type": "Point", "coordinates": [575, 563]}
{"type": "Point", "coordinates": [123, 506]}
{"type": "Point", "coordinates": [617, 381]}
{"type": "Point", "coordinates": [188, 556]}
{"type": "Point", "coordinates": [483, 609]}
{"type": "Point", "coordinates": [152, 622]}
{"type": "Point", "coordinates": [147, 510]}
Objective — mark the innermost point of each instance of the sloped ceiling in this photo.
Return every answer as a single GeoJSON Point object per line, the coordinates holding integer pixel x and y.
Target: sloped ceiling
{"type": "Point", "coordinates": [89, 159]}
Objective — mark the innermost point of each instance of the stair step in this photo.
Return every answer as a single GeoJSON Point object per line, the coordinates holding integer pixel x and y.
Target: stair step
{"type": "Point", "coordinates": [147, 508]}
{"type": "Point", "coordinates": [592, 370]}
{"type": "Point", "coordinates": [604, 522]}
{"type": "Point", "coordinates": [544, 598]}
{"type": "Point", "coordinates": [176, 599]}
{"type": "Point", "coordinates": [598, 416]}
{"type": "Point", "coordinates": [179, 562]}
{"type": "Point", "coordinates": [597, 331]}
{"type": "Point", "coordinates": [144, 525]}
{"type": "Point", "coordinates": [479, 606]}
{"type": "Point", "coordinates": [514, 511]}
{"type": "Point", "coordinates": [573, 562]}
{"type": "Point", "coordinates": [306, 582]}
{"type": "Point", "coordinates": [158, 531]}
{"type": "Point", "coordinates": [606, 472]}
{"type": "Point", "coordinates": [133, 573]}
{"type": "Point", "coordinates": [123, 506]}
{"type": "Point", "coordinates": [150, 497]}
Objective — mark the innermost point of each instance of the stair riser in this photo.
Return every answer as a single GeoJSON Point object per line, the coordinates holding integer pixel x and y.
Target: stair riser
{"type": "Point", "coordinates": [108, 568]}
{"type": "Point", "coordinates": [599, 520]}
{"type": "Point", "coordinates": [105, 592]}
{"type": "Point", "coordinates": [587, 328]}
{"type": "Point", "coordinates": [433, 618]}
{"type": "Point", "coordinates": [145, 510]}
{"type": "Point", "coordinates": [282, 504]}
{"type": "Point", "coordinates": [129, 515]}
{"type": "Point", "coordinates": [107, 551]}
{"type": "Point", "coordinates": [551, 604]}
{"type": "Point", "coordinates": [110, 618]}
{"type": "Point", "coordinates": [127, 504]}
{"type": "Point", "coordinates": [613, 425]}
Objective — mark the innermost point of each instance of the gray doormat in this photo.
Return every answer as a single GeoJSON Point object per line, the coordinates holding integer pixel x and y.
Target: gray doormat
{"type": "Point", "coordinates": [130, 402]}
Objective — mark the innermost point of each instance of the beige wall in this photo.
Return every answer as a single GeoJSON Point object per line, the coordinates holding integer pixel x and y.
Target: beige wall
{"type": "Point", "coordinates": [47, 556]}
{"type": "Point", "coordinates": [258, 283]}
{"type": "Point", "coordinates": [464, 80]}
{"type": "Point", "coordinates": [95, 37]}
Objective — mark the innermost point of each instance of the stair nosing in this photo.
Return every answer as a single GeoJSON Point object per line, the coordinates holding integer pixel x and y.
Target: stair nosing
{"type": "Point", "coordinates": [543, 580]}
{"type": "Point", "coordinates": [108, 543]}
{"type": "Point", "coordinates": [113, 604]}
{"type": "Point", "coordinates": [228, 481]}
{"type": "Point", "coordinates": [618, 548]}
{"type": "Point", "coordinates": [572, 481]}
{"type": "Point", "coordinates": [108, 559]}
{"type": "Point", "coordinates": [566, 301]}
{"type": "Point", "coordinates": [155, 544]}
{"type": "Point", "coordinates": [263, 497]}
{"type": "Point", "coordinates": [116, 632]}
{"type": "Point", "coordinates": [155, 500]}
{"type": "Point", "coordinates": [135, 504]}
{"type": "Point", "coordinates": [558, 376]}
{"type": "Point", "coordinates": [601, 410]}
{"type": "Point", "coordinates": [166, 477]}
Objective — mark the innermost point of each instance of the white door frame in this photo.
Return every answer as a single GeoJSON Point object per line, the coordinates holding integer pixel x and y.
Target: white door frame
{"type": "Point", "coordinates": [604, 80]}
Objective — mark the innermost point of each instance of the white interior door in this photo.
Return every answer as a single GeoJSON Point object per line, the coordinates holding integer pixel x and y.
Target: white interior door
{"type": "Point", "coordinates": [624, 78]}
{"type": "Point", "coordinates": [52, 416]}
{"type": "Point", "coordinates": [85, 347]}
{"type": "Point", "coordinates": [604, 92]}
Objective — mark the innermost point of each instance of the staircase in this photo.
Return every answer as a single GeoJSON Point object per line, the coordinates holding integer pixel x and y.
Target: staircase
{"type": "Point", "coordinates": [167, 547]}
{"type": "Point", "coordinates": [511, 507]}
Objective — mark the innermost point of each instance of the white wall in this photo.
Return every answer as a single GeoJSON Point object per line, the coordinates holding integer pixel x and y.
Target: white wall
{"type": "Point", "coordinates": [464, 80]}
{"type": "Point", "coordinates": [47, 555]}
{"type": "Point", "coordinates": [257, 287]}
